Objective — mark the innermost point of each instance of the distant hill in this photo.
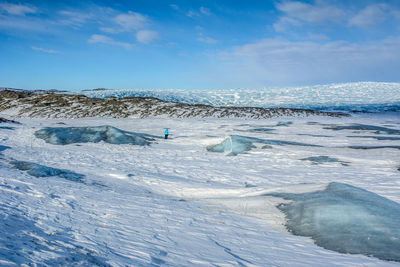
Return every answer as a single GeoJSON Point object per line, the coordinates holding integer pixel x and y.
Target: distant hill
{"type": "Point", "coordinates": [46, 104]}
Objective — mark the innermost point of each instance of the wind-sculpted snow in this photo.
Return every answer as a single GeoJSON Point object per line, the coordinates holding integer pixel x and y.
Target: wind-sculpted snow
{"type": "Point", "coordinates": [38, 170]}
{"type": "Point", "coordinates": [362, 96]}
{"type": "Point", "coordinates": [21, 240]}
{"type": "Point", "coordinates": [108, 134]}
{"type": "Point", "coordinates": [236, 144]}
{"type": "Point", "coordinates": [346, 219]}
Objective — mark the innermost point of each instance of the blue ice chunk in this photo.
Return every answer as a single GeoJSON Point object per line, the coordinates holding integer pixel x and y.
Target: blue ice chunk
{"type": "Point", "coordinates": [38, 170]}
{"type": "Point", "coordinates": [346, 219]}
{"type": "Point", "coordinates": [108, 134]}
{"type": "Point", "coordinates": [237, 144]}
{"type": "Point", "coordinates": [234, 144]}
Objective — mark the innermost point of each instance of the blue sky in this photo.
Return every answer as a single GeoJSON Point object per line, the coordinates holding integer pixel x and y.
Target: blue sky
{"type": "Point", "coordinates": [185, 44]}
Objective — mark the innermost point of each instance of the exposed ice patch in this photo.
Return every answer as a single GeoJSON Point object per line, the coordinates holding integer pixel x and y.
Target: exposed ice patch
{"type": "Point", "coordinates": [2, 148]}
{"type": "Point", "coordinates": [373, 147]}
{"type": "Point", "coordinates": [108, 134]}
{"type": "Point", "coordinates": [284, 123]}
{"type": "Point", "coordinates": [6, 128]}
{"type": "Point", "coordinates": [380, 138]}
{"type": "Point", "coordinates": [346, 219]}
{"type": "Point", "coordinates": [364, 127]}
{"type": "Point", "coordinates": [38, 170]}
{"type": "Point", "coordinates": [261, 130]}
{"type": "Point", "coordinates": [236, 144]}
{"type": "Point", "coordinates": [325, 159]}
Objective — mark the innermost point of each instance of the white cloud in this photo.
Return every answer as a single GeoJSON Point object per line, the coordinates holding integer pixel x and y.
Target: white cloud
{"type": "Point", "coordinates": [319, 13]}
{"type": "Point", "coordinates": [207, 40]}
{"type": "Point", "coordinates": [48, 51]}
{"type": "Point", "coordinates": [192, 14]}
{"type": "Point", "coordinates": [317, 37]}
{"type": "Point", "coordinates": [284, 23]}
{"type": "Point", "coordinates": [146, 36]}
{"type": "Point", "coordinates": [102, 39]}
{"type": "Point", "coordinates": [205, 11]}
{"type": "Point", "coordinates": [124, 22]}
{"type": "Point", "coordinates": [16, 9]}
{"type": "Point", "coordinates": [370, 15]}
{"type": "Point", "coordinates": [283, 62]}
{"type": "Point", "coordinates": [173, 6]}
{"type": "Point", "coordinates": [75, 19]}
{"type": "Point", "coordinates": [131, 21]}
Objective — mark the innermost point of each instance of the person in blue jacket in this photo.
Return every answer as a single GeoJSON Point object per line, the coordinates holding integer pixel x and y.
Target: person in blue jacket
{"type": "Point", "coordinates": [166, 133]}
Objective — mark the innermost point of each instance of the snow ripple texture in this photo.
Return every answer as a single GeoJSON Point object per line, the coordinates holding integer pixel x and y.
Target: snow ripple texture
{"type": "Point", "coordinates": [360, 96]}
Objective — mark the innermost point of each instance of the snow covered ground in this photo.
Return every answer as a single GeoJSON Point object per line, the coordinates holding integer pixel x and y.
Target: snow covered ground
{"type": "Point", "coordinates": [179, 202]}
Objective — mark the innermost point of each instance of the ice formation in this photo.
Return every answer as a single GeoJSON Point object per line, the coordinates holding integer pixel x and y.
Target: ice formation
{"type": "Point", "coordinates": [6, 128]}
{"type": "Point", "coordinates": [234, 145]}
{"type": "Point", "coordinates": [364, 127]}
{"type": "Point", "coordinates": [361, 96]}
{"type": "Point", "coordinates": [346, 219]}
{"type": "Point", "coordinates": [381, 138]}
{"type": "Point", "coordinates": [108, 134]}
{"type": "Point", "coordinates": [374, 147]}
{"type": "Point", "coordinates": [325, 159]}
{"type": "Point", "coordinates": [237, 144]}
{"type": "Point", "coordinates": [38, 170]}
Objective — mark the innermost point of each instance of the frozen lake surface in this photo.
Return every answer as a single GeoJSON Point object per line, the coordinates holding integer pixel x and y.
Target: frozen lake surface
{"type": "Point", "coordinates": [219, 192]}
